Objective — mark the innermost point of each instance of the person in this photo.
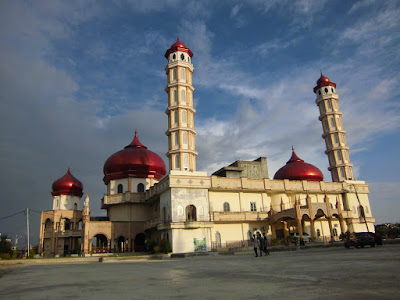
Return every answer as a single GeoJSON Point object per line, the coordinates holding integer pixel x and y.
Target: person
{"type": "Point", "coordinates": [265, 244]}
{"type": "Point", "coordinates": [261, 244]}
{"type": "Point", "coordinates": [256, 242]}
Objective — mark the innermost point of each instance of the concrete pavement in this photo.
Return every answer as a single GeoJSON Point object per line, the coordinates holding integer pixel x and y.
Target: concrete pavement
{"type": "Point", "coordinates": [329, 273]}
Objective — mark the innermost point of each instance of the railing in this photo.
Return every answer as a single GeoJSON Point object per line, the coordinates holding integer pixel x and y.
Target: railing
{"type": "Point", "coordinates": [101, 250]}
{"type": "Point", "coordinates": [121, 198]}
{"type": "Point", "coordinates": [240, 216]}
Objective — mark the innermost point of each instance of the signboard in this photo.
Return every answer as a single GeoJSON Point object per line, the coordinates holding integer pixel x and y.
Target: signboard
{"type": "Point", "coordinates": [200, 244]}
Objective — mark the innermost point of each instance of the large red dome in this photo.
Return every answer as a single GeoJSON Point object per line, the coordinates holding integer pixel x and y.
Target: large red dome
{"type": "Point", "coordinates": [178, 46]}
{"type": "Point", "coordinates": [67, 185]}
{"type": "Point", "coordinates": [297, 169]}
{"type": "Point", "coordinates": [135, 160]}
{"type": "Point", "coordinates": [323, 81]}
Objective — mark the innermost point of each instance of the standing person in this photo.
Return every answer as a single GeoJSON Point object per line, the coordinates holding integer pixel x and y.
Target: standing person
{"type": "Point", "coordinates": [261, 245]}
{"type": "Point", "coordinates": [256, 242]}
{"type": "Point", "coordinates": [265, 244]}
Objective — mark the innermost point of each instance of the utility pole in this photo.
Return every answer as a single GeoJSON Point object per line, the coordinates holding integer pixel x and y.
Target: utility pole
{"type": "Point", "coordinates": [27, 230]}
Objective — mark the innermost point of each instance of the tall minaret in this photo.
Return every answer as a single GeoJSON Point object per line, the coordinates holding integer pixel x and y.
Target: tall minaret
{"type": "Point", "coordinates": [180, 111]}
{"type": "Point", "coordinates": [334, 134]}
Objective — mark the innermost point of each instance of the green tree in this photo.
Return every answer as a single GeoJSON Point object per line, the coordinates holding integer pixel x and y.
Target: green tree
{"type": "Point", "coordinates": [5, 247]}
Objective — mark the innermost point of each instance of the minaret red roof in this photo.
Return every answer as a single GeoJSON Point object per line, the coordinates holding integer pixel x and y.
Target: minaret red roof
{"type": "Point", "coordinates": [178, 46]}
{"type": "Point", "coordinates": [67, 185]}
{"type": "Point", "coordinates": [297, 169]}
{"type": "Point", "coordinates": [323, 81]}
{"type": "Point", "coordinates": [135, 160]}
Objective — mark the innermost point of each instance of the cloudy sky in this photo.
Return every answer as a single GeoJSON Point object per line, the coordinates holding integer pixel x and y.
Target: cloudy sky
{"type": "Point", "coordinates": [77, 78]}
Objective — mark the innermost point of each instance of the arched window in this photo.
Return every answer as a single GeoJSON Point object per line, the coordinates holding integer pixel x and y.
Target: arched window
{"type": "Point", "coordinates": [218, 239]}
{"type": "Point", "coordinates": [75, 206]}
{"type": "Point", "coordinates": [191, 213]}
{"type": "Point", "coordinates": [183, 97]}
{"type": "Point", "coordinates": [332, 121]}
{"type": "Point", "coordinates": [140, 188]}
{"type": "Point", "coordinates": [318, 232]}
{"type": "Point", "coordinates": [227, 207]}
{"type": "Point", "coordinates": [174, 74]}
{"type": "Point", "coordinates": [67, 224]}
{"type": "Point", "coordinates": [186, 161]}
{"type": "Point", "coordinates": [184, 117]}
{"type": "Point", "coordinates": [329, 104]}
{"type": "Point", "coordinates": [176, 117]}
{"type": "Point", "coordinates": [48, 224]}
{"type": "Point", "coordinates": [183, 75]}
{"type": "Point", "coordinates": [334, 231]}
{"type": "Point", "coordinates": [80, 225]}
{"type": "Point", "coordinates": [120, 188]}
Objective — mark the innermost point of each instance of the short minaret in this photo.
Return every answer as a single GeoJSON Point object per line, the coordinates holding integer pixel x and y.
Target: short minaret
{"type": "Point", "coordinates": [180, 111]}
{"type": "Point", "coordinates": [335, 136]}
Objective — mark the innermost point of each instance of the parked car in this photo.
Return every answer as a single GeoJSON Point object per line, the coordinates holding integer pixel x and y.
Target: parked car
{"type": "Point", "coordinates": [360, 239]}
{"type": "Point", "coordinates": [306, 237]}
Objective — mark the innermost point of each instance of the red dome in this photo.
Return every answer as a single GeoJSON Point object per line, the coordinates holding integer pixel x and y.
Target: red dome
{"type": "Point", "coordinates": [323, 81]}
{"type": "Point", "coordinates": [67, 185]}
{"type": "Point", "coordinates": [135, 160]}
{"type": "Point", "coordinates": [297, 169]}
{"type": "Point", "coordinates": [178, 46]}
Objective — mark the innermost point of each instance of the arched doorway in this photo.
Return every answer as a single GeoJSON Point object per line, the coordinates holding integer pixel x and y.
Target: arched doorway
{"type": "Point", "coordinates": [100, 243]}
{"type": "Point", "coordinates": [140, 242]}
{"type": "Point", "coordinates": [121, 245]}
{"type": "Point", "coordinates": [218, 239]}
{"type": "Point", "coordinates": [191, 213]}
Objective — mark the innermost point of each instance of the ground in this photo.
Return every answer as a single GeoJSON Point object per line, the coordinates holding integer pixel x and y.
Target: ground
{"type": "Point", "coordinates": [327, 273]}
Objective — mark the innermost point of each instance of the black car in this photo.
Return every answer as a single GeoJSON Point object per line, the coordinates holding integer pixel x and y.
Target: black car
{"type": "Point", "coordinates": [360, 239]}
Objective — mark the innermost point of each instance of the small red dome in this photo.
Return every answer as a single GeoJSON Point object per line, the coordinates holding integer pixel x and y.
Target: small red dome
{"type": "Point", "coordinates": [323, 81]}
{"type": "Point", "coordinates": [135, 160]}
{"type": "Point", "coordinates": [67, 185]}
{"type": "Point", "coordinates": [178, 46]}
{"type": "Point", "coordinates": [297, 169]}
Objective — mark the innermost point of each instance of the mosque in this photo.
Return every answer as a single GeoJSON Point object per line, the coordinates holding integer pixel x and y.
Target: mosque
{"type": "Point", "coordinates": [191, 211]}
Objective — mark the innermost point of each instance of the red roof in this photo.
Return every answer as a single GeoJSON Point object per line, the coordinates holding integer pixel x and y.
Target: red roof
{"type": "Point", "coordinates": [135, 160]}
{"type": "Point", "coordinates": [297, 169]}
{"type": "Point", "coordinates": [323, 81]}
{"type": "Point", "coordinates": [67, 185]}
{"type": "Point", "coordinates": [178, 46]}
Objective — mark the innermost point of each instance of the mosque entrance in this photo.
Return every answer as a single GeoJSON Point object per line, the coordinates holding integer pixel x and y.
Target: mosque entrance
{"type": "Point", "coordinates": [100, 244]}
{"type": "Point", "coordinates": [140, 242]}
{"type": "Point", "coordinates": [121, 245]}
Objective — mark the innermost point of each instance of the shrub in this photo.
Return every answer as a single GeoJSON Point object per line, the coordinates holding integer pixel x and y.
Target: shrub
{"type": "Point", "coordinates": [5, 256]}
{"type": "Point", "coordinates": [157, 249]}
{"type": "Point", "coordinates": [274, 241]}
{"type": "Point", "coordinates": [14, 254]}
{"type": "Point", "coordinates": [165, 246]}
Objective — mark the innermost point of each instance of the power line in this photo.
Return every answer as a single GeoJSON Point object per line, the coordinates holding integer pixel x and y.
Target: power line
{"type": "Point", "coordinates": [23, 211]}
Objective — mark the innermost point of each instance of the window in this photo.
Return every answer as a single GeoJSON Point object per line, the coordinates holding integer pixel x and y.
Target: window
{"type": "Point", "coordinates": [340, 157]}
{"type": "Point", "coordinates": [174, 56]}
{"type": "Point", "coordinates": [174, 97]}
{"type": "Point", "coordinates": [218, 239]}
{"type": "Point", "coordinates": [362, 212]}
{"type": "Point", "coordinates": [186, 161]}
{"type": "Point", "coordinates": [332, 158]}
{"type": "Point", "coordinates": [183, 97]}
{"type": "Point", "coordinates": [227, 207]}
{"type": "Point", "coordinates": [335, 232]}
{"type": "Point", "coordinates": [140, 188]}
{"type": "Point", "coordinates": [338, 122]}
{"type": "Point", "coordinates": [326, 125]}
{"type": "Point", "coordinates": [336, 139]}
{"type": "Point", "coordinates": [332, 90]}
{"type": "Point", "coordinates": [332, 121]}
{"type": "Point", "coordinates": [329, 141]}
{"type": "Point", "coordinates": [329, 104]}
{"type": "Point", "coordinates": [176, 117]}
{"type": "Point", "coordinates": [191, 213]}
{"type": "Point", "coordinates": [176, 138]}
{"type": "Point", "coordinates": [184, 117]}
{"type": "Point", "coordinates": [177, 162]}
{"type": "Point", "coordinates": [253, 206]}
{"type": "Point", "coordinates": [183, 75]}
{"type": "Point", "coordinates": [319, 92]}
{"type": "Point", "coordinates": [174, 74]}
{"type": "Point", "coordinates": [182, 57]}
{"type": "Point", "coordinates": [318, 232]}
{"type": "Point", "coordinates": [120, 188]}
{"type": "Point", "coordinates": [342, 172]}
{"type": "Point", "coordinates": [326, 90]}
{"type": "Point", "coordinates": [322, 107]}
{"type": "Point", "coordinates": [185, 138]}
{"type": "Point", "coordinates": [67, 224]}
{"type": "Point", "coordinates": [75, 206]}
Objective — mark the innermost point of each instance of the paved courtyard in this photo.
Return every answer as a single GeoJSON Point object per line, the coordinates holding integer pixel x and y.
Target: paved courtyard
{"type": "Point", "coordinates": [333, 273]}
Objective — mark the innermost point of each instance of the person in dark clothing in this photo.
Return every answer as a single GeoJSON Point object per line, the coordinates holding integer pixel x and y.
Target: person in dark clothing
{"type": "Point", "coordinates": [265, 249]}
{"type": "Point", "coordinates": [378, 239]}
{"type": "Point", "coordinates": [261, 245]}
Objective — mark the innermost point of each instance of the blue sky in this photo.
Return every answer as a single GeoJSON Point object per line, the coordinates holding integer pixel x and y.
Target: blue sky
{"type": "Point", "coordinates": [77, 78]}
